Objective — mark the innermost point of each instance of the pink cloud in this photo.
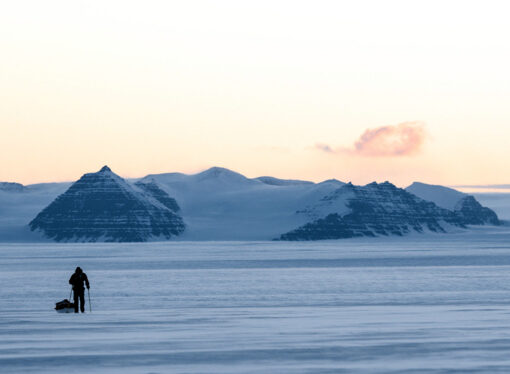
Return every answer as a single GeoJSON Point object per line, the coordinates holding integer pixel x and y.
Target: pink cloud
{"type": "Point", "coordinates": [404, 139]}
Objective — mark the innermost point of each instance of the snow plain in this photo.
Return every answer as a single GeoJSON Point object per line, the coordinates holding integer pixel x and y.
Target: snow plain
{"type": "Point", "coordinates": [419, 304]}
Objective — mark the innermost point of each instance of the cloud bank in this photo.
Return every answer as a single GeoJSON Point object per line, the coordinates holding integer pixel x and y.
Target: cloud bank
{"type": "Point", "coordinates": [404, 139]}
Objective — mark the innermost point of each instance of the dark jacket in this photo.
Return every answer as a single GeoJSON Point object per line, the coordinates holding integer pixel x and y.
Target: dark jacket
{"type": "Point", "coordinates": [77, 280]}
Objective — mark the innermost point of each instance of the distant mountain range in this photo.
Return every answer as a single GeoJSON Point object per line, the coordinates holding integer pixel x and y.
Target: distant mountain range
{"type": "Point", "coordinates": [219, 204]}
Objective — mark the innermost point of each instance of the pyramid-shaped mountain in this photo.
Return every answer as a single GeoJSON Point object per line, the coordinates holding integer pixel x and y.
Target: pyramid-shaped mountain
{"type": "Point", "coordinates": [104, 207]}
{"type": "Point", "coordinates": [382, 209]}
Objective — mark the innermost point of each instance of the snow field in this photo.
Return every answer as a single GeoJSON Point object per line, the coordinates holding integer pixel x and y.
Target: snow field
{"type": "Point", "coordinates": [425, 303]}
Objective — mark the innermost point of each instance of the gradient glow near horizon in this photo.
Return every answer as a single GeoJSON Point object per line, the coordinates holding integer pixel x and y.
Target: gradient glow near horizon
{"type": "Point", "coordinates": [357, 91]}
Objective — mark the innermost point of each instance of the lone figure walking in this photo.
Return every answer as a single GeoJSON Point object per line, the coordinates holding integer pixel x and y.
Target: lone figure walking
{"type": "Point", "coordinates": [76, 281]}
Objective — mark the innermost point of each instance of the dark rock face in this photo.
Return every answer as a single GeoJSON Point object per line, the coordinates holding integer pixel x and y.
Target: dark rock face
{"type": "Point", "coordinates": [471, 212]}
{"type": "Point", "coordinates": [103, 207]}
{"type": "Point", "coordinates": [151, 188]}
{"type": "Point", "coordinates": [376, 209]}
{"type": "Point", "coordinates": [11, 187]}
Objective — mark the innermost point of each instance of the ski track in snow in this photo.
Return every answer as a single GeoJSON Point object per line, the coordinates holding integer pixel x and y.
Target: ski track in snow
{"type": "Point", "coordinates": [420, 304]}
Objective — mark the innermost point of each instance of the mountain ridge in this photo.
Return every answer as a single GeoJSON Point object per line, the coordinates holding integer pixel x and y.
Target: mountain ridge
{"type": "Point", "coordinates": [220, 204]}
{"type": "Point", "coordinates": [376, 209]}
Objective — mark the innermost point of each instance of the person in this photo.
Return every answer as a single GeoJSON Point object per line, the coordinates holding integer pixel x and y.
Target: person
{"type": "Point", "coordinates": [76, 281]}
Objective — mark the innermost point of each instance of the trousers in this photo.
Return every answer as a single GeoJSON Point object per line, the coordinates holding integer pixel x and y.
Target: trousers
{"type": "Point", "coordinates": [79, 294]}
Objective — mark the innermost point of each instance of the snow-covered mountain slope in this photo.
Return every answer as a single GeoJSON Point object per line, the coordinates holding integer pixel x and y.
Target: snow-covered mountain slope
{"type": "Point", "coordinates": [281, 182]}
{"type": "Point", "coordinates": [104, 207]}
{"type": "Point", "coordinates": [372, 210]}
{"type": "Point", "coordinates": [11, 187]}
{"type": "Point", "coordinates": [151, 188]}
{"type": "Point", "coordinates": [442, 196]}
{"type": "Point", "coordinates": [465, 206]}
{"type": "Point", "coordinates": [383, 209]}
{"type": "Point", "coordinates": [219, 204]}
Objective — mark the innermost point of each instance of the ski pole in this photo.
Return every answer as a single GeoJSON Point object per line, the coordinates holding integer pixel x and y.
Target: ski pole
{"type": "Point", "coordinates": [90, 305]}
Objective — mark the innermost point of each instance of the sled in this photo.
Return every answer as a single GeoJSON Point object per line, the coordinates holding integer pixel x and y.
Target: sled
{"type": "Point", "coordinates": [64, 306]}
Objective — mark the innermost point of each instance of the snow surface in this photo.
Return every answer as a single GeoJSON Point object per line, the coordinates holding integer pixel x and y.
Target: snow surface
{"type": "Point", "coordinates": [423, 303]}
{"type": "Point", "coordinates": [219, 204]}
{"type": "Point", "coordinates": [443, 197]}
{"type": "Point", "coordinates": [281, 182]}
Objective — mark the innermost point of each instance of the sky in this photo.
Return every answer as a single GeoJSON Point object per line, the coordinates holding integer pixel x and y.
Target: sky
{"type": "Point", "coordinates": [355, 90]}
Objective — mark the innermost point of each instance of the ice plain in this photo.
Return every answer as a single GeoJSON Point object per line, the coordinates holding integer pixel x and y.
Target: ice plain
{"type": "Point", "coordinates": [418, 304]}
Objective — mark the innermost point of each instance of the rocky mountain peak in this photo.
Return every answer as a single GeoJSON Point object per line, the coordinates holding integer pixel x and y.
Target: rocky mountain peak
{"type": "Point", "coordinates": [104, 207]}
